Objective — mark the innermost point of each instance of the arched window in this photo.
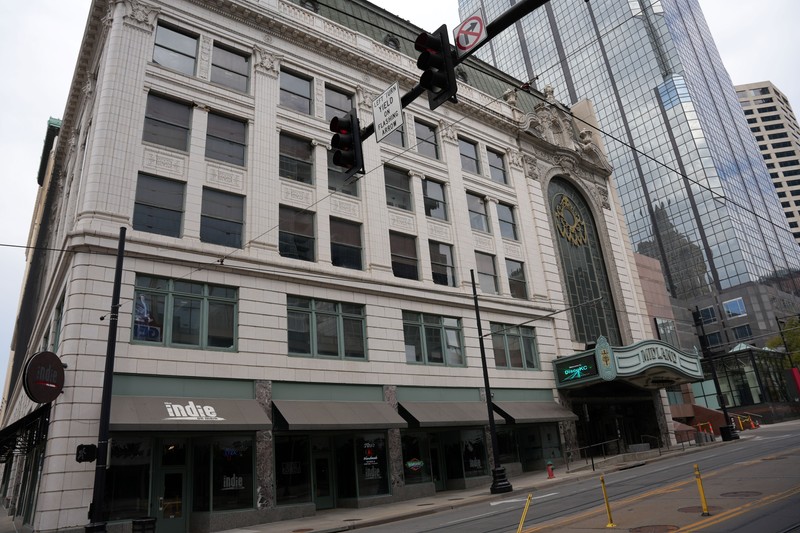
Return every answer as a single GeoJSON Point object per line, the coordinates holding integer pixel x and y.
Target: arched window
{"type": "Point", "coordinates": [585, 275]}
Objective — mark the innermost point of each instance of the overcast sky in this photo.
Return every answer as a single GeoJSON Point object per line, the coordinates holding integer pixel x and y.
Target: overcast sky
{"type": "Point", "coordinates": [39, 40]}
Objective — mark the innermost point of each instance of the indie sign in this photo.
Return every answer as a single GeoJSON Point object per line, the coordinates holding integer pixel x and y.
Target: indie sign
{"type": "Point", "coordinates": [44, 377]}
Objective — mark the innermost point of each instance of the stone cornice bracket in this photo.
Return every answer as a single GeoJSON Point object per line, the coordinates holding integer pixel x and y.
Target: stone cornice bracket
{"type": "Point", "coordinates": [140, 15]}
{"type": "Point", "coordinates": [415, 174]}
{"type": "Point", "coordinates": [589, 150]}
{"type": "Point", "coordinates": [602, 196]}
{"type": "Point", "coordinates": [324, 144]}
{"type": "Point", "coordinates": [267, 62]}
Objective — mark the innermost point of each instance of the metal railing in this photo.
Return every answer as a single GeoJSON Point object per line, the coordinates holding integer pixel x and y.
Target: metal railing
{"type": "Point", "coordinates": [584, 452]}
{"type": "Point", "coordinates": [657, 440]}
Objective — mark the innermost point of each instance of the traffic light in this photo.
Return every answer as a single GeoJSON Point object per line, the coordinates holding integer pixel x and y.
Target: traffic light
{"type": "Point", "coordinates": [436, 61]}
{"type": "Point", "coordinates": [347, 143]}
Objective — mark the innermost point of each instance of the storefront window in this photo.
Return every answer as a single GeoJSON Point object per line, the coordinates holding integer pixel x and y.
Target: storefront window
{"type": "Point", "coordinates": [201, 479]}
{"type": "Point", "coordinates": [347, 465]}
{"type": "Point", "coordinates": [373, 475]}
{"type": "Point", "coordinates": [292, 471]}
{"type": "Point", "coordinates": [416, 454]}
{"type": "Point", "coordinates": [128, 478]}
{"type": "Point", "coordinates": [507, 445]}
{"type": "Point", "coordinates": [474, 453]}
{"type": "Point", "coordinates": [232, 473]}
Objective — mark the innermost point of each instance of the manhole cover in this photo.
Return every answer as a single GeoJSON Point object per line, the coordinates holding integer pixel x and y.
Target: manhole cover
{"type": "Point", "coordinates": [653, 529]}
{"type": "Point", "coordinates": [741, 494]}
{"type": "Point", "coordinates": [698, 509]}
{"type": "Point", "coordinates": [423, 504]}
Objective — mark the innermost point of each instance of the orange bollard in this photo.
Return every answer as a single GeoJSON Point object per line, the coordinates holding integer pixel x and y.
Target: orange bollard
{"type": "Point", "coordinates": [752, 424]}
{"type": "Point", "coordinates": [550, 474]}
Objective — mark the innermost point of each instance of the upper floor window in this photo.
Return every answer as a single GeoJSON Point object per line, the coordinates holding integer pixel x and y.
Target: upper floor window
{"type": "Point", "coordinates": [398, 136]}
{"type": "Point", "coordinates": [222, 218]}
{"type": "Point", "coordinates": [230, 68]}
{"type": "Point", "coordinates": [432, 339]}
{"type": "Point", "coordinates": [442, 266]}
{"type": "Point", "coordinates": [296, 158]}
{"type": "Point", "coordinates": [508, 226]}
{"type": "Point", "coordinates": [167, 122]}
{"type": "Point", "coordinates": [398, 188]}
{"type": "Point", "coordinates": [322, 328]}
{"type": "Point", "coordinates": [296, 92]}
{"type": "Point", "coordinates": [667, 331]}
{"type": "Point", "coordinates": [226, 139]}
{"type": "Point", "coordinates": [346, 243]}
{"type": "Point", "coordinates": [516, 279]}
{"type": "Point", "coordinates": [426, 140]}
{"type": "Point", "coordinates": [178, 312]}
{"type": "Point", "coordinates": [514, 347]}
{"type": "Point", "coordinates": [712, 339]}
{"type": "Point", "coordinates": [404, 255]}
{"type": "Point", "coordinates": [477, 212]}
{"type": "Point", "coordinates": [469, 156]}
{"type": "Point", "coordinates": [159, 205]}
{"type": "Point", "coordinates": [487, 273]}
{"type": "Point", "coordinates": [743, 332]}
{"type": "Point", "coordinates": [338, 180]}
{"type": "Point", "coordinates": [337, 103]}
{"type": "Point", "coordinates": [734, 308]}
{"type": "Point", "coordinates": [175, 49]}
{"type": "Point", "coordinates": [435, 204]}
{"type": "Point", "coordinates": [296, 233]}
{"type": "Point", "coordinates": [497, 167]}
{"type": "Point", "coordinates": [708, 315]}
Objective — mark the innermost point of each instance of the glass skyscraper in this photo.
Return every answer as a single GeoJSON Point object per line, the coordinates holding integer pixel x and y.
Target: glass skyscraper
{"type": "Point", "coordinates": [696, 192]}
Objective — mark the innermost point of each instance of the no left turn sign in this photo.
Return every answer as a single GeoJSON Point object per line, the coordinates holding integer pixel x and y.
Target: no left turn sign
{"type": "Point", "coordinates": [470, 33]}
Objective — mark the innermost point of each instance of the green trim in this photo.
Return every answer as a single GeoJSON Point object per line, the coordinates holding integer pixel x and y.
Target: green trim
{"type": "Point", "coordinates": [436, 394]}
{"type": "Point", "coordinates": [144, 385]}
{"type": "Point", "coordinates": [327, 392]}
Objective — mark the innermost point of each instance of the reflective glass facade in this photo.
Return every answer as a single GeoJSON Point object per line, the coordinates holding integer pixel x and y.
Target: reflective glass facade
{"type": "Point", "coordinates": [695, 190]}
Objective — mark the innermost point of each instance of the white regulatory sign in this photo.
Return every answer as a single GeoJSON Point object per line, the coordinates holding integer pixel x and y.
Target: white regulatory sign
{"type": "Point", "coordinates": [387, 112]}
{"type": "Point", "coordinates": [470, 33]}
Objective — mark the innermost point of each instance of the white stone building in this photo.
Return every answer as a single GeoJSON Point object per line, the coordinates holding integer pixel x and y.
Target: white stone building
{"type": "Point", "coordinates": [288, 342]}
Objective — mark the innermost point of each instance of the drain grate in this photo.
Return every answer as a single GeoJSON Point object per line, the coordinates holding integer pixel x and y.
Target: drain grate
{"type": "Point", "coordinates": [773, 458]}
{"type": "Point", "coordinates": [454, 499]}
{"type": "Point", "coordinates": [741, 494]}
{"type": "Point", "coordinates": [423, 504]}
{"type": "Point", "coordinates": [302, 530]}
{"type": "Point", "coordinates": [653, 529]}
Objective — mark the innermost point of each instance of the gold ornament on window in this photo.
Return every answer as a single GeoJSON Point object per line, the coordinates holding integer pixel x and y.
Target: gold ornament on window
{"type": "Point", "coordinates": [570, 224]}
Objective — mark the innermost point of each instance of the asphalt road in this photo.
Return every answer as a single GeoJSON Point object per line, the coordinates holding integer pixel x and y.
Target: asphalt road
{"type": "Point", "coordinates": [751, 485]}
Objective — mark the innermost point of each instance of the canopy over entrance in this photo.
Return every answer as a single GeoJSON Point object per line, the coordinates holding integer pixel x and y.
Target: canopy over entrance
{"type": "Point", "coordinates": [650, 364]}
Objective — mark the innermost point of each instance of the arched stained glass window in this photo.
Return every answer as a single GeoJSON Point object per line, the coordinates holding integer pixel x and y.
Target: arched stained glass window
{"type": "Point", "coordinates": [585, 275]}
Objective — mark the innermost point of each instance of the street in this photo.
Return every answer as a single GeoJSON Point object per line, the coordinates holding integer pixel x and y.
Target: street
{"type": "Point", "coordinates": [750, 485]}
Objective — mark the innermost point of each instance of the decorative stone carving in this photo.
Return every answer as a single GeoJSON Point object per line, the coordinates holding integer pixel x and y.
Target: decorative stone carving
{"type": "Point", "coordinates": [204, 58]}
{"type": "Point", "coordinates": [531, 168]}
{"type": "Point", "coordinates": [226, 177]}
{"type": "Point", "coordinates": [449, 131]}
{"type": "Point", "coordinates": [549, 94]}
{"type": "Point", "coordinates": [164, 163]}
{"type": "Point", "coordinates": [531, 123]}
{"type": "Point", "coordinates": [365, 96]}
{"type": "Point", "coordinates": [266, 62]}
{"type": "Point", "coordinates": [140, 15]}
{"type": "Point", "coordinates": [589, 149]}
{"type": "Point", "coordinates": [88, 88]}
{"type": "Point", "coordinates": [566, 162]}
{"type": "Point", "coordinates": [602, 196]}
{"type": "Point", "coordinates": [510, 96]}
{"type": "Point", "coordinates": [515, 158]}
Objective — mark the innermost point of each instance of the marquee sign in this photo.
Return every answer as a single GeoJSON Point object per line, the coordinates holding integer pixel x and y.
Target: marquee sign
{"type": "Point", "coordinates": [651, 364]}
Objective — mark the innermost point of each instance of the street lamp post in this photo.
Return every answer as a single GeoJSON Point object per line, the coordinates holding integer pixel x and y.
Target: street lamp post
{"type": "Point", "coordinates": [500, 482]}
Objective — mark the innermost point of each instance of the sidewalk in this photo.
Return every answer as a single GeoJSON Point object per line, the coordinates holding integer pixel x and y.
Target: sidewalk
{"type": "Point", "coordinates": [334, 520]}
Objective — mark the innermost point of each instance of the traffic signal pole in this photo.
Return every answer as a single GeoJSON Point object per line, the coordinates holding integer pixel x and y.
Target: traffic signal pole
{"type": "Point", "coordinates": [493, 29]}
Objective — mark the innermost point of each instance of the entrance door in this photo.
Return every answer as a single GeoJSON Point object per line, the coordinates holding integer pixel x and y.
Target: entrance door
{"type": "Point", "coordinates": [437, 469]}
{"type": "Point", "coordinates": [322, 482]}
{"type": "Point", "coordinates": [171, 504]}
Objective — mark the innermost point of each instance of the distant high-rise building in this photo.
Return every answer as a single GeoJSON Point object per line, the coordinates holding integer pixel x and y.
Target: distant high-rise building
{"type": "Point", "coordinates": [775, 128]}
{"type": "Point", "coordinates": [692, 182]}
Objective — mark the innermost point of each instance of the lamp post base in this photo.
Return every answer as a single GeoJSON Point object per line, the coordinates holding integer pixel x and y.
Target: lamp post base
{"type": "Point", "coordinates": [500, 482]}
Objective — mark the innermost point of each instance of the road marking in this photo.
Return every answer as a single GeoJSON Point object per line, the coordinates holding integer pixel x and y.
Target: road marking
{"type": "Point", "coordinates": [524, 500]}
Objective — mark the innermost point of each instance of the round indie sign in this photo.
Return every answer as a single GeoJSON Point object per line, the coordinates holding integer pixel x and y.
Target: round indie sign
{"type": "Point", "coordinates": [43, 377]}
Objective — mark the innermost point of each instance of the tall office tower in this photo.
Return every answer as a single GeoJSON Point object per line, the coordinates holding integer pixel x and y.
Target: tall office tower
{"type": "Point", "coordinates": [692, 182]}
{"type": "Point", "coordinates": [775, 128]}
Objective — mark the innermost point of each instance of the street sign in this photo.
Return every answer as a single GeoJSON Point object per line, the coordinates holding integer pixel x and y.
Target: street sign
{"type": "Point", "coordinates": [387, 112]}
{"type": "Point", "coordinates": [470, 33]}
